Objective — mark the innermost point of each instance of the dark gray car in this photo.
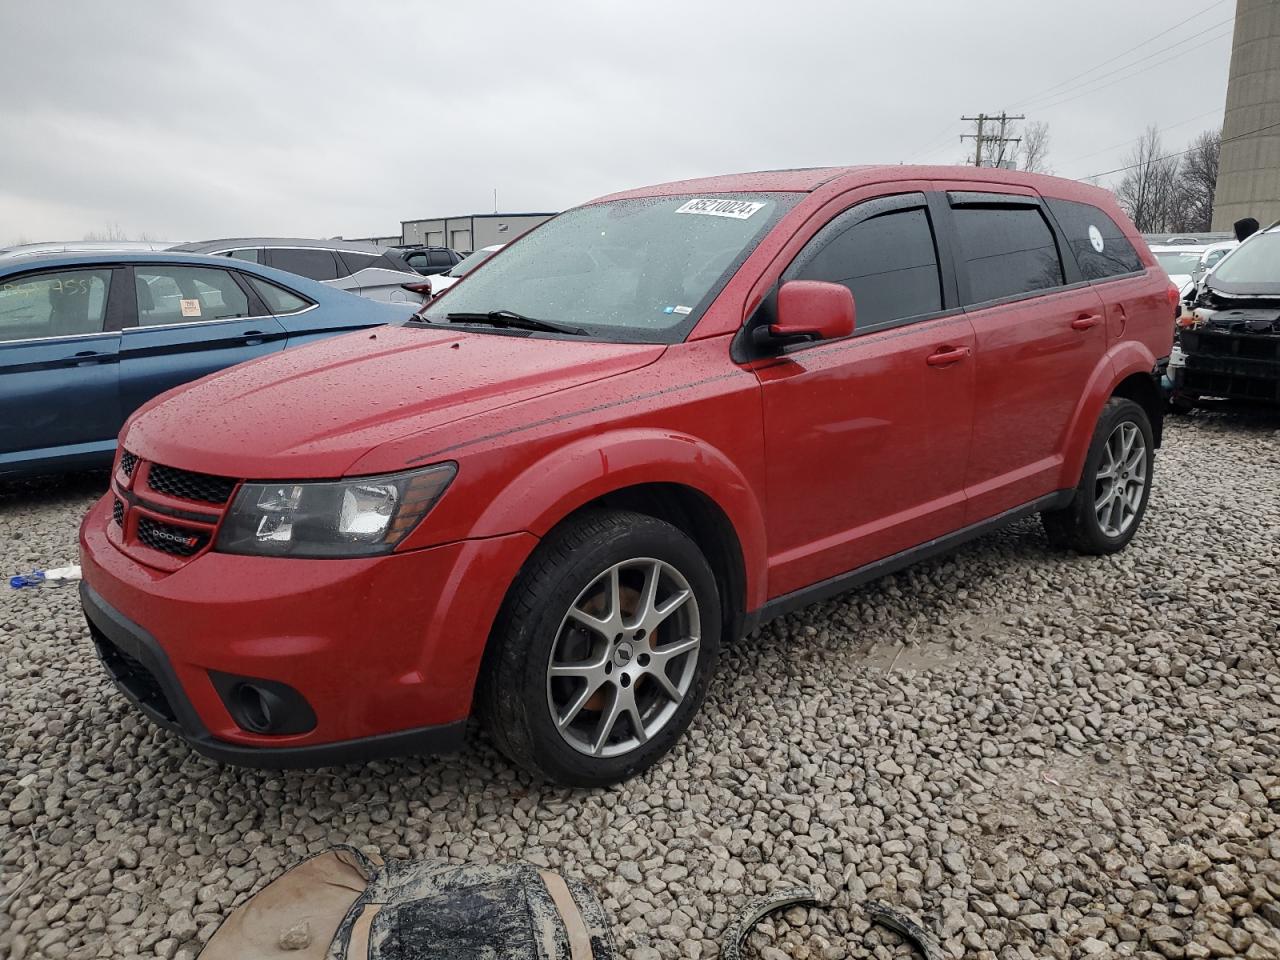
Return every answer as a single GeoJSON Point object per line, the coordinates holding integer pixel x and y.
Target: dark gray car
{"type": "Point", "coordinates": [352, 265]}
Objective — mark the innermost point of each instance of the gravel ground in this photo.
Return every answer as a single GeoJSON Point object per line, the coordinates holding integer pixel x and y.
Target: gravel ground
{"type": "Point", "coordinates": [1040, 755]}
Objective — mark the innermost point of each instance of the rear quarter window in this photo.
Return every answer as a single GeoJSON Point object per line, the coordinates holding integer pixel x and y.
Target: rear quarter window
{"type": "Point", "coordinates": [1100, 246]}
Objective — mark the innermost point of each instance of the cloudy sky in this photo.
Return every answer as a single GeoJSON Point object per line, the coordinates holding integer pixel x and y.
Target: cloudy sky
{"type": "Point", "coordinates": [183, 119]}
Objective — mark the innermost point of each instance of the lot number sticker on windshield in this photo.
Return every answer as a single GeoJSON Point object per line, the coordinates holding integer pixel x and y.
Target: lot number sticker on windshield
{"type": "Point", "coordinates": [734, 209]}
{"type": "Point", "coordinates": [190, 308]}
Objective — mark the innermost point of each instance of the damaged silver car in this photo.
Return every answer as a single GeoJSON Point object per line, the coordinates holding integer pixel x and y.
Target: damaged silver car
{"type": "Point", "coordinates": [1228, 344]}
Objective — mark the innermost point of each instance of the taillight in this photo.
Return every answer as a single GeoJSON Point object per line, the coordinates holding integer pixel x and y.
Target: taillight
{"type": "Point", "coordinates": [421, 288]}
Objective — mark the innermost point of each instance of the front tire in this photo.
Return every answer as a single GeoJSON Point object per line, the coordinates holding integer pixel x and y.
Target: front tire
{"type": "Point", "coordinates": [1115, 485]}
{"type": "Point", "coordinates": [603, 649]}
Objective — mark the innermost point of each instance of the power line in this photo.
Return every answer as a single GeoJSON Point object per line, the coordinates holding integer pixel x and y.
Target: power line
{"type": "Point", "coordinates": [999, 139]}
{"type": "Point", "coordinates": [1129, 76]}
{"type": "Point", "coordinates": [1180, 153]}
{"type": "Point", "coordinates": [1163, 127]}
{"type": "Point", "coordinates": [1125, 53]}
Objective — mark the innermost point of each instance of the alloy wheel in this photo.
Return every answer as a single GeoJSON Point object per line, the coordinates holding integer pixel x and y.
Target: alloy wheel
{"type": "Point", "coordinates": [624, 657]}
{"type": "Point", "coordinates": [1121, 480]}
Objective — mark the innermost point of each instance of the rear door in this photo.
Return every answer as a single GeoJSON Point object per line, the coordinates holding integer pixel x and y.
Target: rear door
{"type": "Point", "coordinates": [867, 437]}
{"type": "Point", "coordinates": [1107, 260]}
{"type": "Point", "coordinates": [1040, 332]}
{"type": "Point", "coordinates": [189, 321]}
{"type": "Point", "coordinates": [59, 352]}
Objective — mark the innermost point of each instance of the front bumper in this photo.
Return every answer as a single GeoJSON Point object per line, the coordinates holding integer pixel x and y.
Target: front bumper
{"type": "Point", "coordinates": [1234, 365]}
{"type": "Point", "coordinates": [385, 650]}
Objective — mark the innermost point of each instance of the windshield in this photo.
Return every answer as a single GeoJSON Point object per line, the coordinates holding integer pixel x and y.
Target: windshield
{"type": "Point", "coordinates": [469, 263]}
{"type": "Point", "coordinates": [1255, 262]}
{"type": "Point", "coordinates": [1176, 262]}
{"type": "Point", "coordinates": [628, 270]}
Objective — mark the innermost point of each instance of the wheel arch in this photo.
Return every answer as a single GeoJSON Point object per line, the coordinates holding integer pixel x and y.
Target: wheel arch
{"type": "Point", "coordinates": [674, 477]}
{"type": "Point", "coordinates": [1127, 370]}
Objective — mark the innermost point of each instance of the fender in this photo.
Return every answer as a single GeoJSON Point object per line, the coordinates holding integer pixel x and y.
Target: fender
{"type": "Point", "coordinates": [589, 467]}
{"type": "Point", "coordinates": [1121, 361]}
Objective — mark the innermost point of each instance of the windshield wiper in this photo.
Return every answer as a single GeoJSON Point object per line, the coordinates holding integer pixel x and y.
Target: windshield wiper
{"type": "Point", "coordinates": [516, 321]}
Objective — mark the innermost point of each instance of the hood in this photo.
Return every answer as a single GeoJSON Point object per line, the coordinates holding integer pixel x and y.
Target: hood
{"type": "Point", "coordinates": [313, 411]}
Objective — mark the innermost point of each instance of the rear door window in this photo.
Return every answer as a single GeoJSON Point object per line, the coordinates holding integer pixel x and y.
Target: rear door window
{"type": "Point", "coordinates": [1006, 251]}
{"type": "Point", "coordinates": [888, 261]}
{"type": "Point", "coordinates": [440, 258]}
{"type": "Point", "coordinates": [1100, 246]}
{"type": "Point", "coordinates": [175, 294]}
{"type": "Point", "coordinates": [252, 254]}
{"type": "Point", "coordinates": [60, 303]}
{"type": "Point", "coordinates": [311, 263]}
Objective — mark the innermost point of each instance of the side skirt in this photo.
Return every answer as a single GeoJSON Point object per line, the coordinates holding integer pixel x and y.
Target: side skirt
{"type": "Point", "coordinates": [826, 589]}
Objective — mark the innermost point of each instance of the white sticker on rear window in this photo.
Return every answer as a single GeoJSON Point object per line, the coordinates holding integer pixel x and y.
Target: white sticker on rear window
{"type": "Point", "coordinates": [734, 209]}
{"type": "Point", "coordinates": [190, 308]}
{"type": "Point", "coordinates": [1095, 238]}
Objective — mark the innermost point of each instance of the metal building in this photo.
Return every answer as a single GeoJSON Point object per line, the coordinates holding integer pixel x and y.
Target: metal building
{"type": "Point", "coordinates": [472, 231]}
{"type": "Point", "coordinates": [1249, 169]}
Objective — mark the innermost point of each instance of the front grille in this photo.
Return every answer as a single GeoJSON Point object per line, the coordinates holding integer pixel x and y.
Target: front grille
{"type": "Point", "coordinates": [117, 512]}
{"type": "Point", "coordinates": [128, 463]}
{"type": "Point", "coordinates": [167, 538]}
{"type": "Point", "coordinates": [189, 485]}
{"type": "Point", "coordinates": [136, 680]}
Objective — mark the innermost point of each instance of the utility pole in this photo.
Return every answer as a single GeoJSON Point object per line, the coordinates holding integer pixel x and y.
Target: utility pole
{"type": "Point", "coordinates": [982, 137]}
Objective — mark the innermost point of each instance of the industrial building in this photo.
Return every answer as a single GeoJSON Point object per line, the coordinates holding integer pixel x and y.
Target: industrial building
{"type": "Point", "coordinates": [472, 231]}
{"type": "Point", "coordinates": [1249, 168]}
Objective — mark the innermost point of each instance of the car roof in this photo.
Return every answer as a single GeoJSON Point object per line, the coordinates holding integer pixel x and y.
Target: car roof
{"type": "Point", "coordinates": [33, 264]}
{"type": "Point", "coordinates": [810, 179]}
{"type": "Point", "coordinates": [231, 243]}
{"type": "Point", "coordinates": [1177, 248]}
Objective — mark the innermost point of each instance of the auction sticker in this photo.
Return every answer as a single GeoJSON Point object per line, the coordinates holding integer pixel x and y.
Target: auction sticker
{"type": "Point", "coordinates": [711, 207]}
{"type": "Point", "coordinates": [190, 308]}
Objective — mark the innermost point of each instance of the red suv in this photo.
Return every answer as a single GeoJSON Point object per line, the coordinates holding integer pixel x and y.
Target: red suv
{"type": "Point", "coordinates": [632, 436]}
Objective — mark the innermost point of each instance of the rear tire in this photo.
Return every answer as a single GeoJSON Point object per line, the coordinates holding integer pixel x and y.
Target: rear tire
{"type": "Point", "coordinates": [1115, 484]}
{"type": "Point", "coordinates": [603, 649]}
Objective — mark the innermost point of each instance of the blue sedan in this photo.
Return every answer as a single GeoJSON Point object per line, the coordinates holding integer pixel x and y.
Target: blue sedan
{"type": "Point", "coordinates": [86, 339]}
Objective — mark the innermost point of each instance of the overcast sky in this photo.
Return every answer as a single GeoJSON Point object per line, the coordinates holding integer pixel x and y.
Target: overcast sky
{"type": "Point", "coordinates": [186, 119]}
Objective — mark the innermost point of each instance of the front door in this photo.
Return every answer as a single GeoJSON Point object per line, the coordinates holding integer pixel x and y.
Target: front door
{"type": "Point", "coordinates": [58, 366]}
{"type": "Point", "coordinates": [867, 438]}
{"type": "Point", "coordinates": [191, 320]}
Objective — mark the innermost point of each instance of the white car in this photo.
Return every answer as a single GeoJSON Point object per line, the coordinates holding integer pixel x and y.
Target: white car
{"type": "Point", "coordinates": [443, 281]}
{"type": "Point", "coordinates": [1181, 262]}
{"type": "Point", "coordinates": [358, 267]}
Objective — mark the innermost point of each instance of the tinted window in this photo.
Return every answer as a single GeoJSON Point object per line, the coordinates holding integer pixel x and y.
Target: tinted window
{"type": "Point", "coordinates": [1101, 248]}
{"type": "Point", "coordinates": [390, 261]}
{"type": "Point", "coordinates": [417, 260]}
{"type": "Point", "coordinates": [1007, 251]}
{"type": "Point", "coordinates": [57, 304]}
{"type": "Point", "coordinates": [440, 258]}
{"type": "Point", "coordinates": [251, 254]}
{"type": "Point", "coordinates": [355, 262]}
{"type": "Point", "coordinates": [187, 295]}
{"type": "Point", "coordinates": [278, 299]}
{"type": "Point", "coordinates": [887, 261]}
{"type": "Point", "coordinates": [316, 264]}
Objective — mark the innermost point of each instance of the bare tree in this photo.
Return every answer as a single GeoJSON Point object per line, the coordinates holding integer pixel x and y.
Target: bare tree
{"type": "Point", "coordinates": [112, 231]}
{"type": "Point", "coordinates": [1035, 147]}
{"type": "Point", "coordinates": [1149, 189]}
{"type": "Point", "coordinates": [1198, 180]}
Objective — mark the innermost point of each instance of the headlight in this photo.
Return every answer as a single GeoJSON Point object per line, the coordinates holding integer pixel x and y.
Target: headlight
{"type": "Point", "coordinates": [360, 517]}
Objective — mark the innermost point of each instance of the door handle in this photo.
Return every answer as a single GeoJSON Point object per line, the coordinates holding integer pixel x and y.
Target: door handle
{"type": "Point", "coordinates": [1085, 321]}
{"type": "Point", "coordinates": [947, 356]}
{"type": "Point", "coordinates": [88, 358]}
{"type": "Point", "coordinates": [252, 338]}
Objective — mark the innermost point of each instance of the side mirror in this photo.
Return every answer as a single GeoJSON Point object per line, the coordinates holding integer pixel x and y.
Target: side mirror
{"type": "Point", "coordinates": [812, 310]}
